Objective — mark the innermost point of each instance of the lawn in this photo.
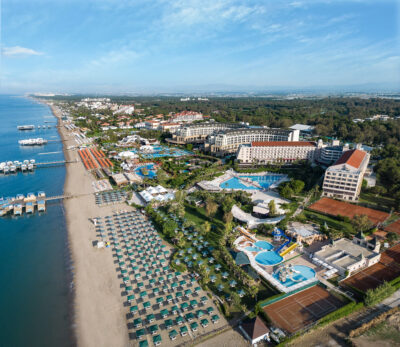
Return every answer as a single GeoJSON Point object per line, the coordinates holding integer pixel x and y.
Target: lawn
{"type": "Point", "coordinates": [330, 221]}
{"type": "Point", "coordinates": [376, 202]}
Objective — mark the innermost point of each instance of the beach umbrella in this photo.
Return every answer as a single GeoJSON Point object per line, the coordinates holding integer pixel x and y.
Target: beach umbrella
{"type": "Point", "coordinates": [156, 291]}
{"type": "Point", "coordinates": [128, 288]}
{"type": "Point", "coordinates": [178, 295]}
{"type": "Point", "coordinates": [143, 343]}
{"type": "Point", "coordinates": [146, 305]}
{"type": "Point", "coordinates": [150, 317]}
{"type": "Point", "coordinates": [182, 283]}
{"type": "Point", "coordinates": [130, 298]}
{"type": "Point", "coordinates": [174, 309]}
{"type": "Point", "coordinates": [152, 281]}
{"type": "Point", "coordinates": [184, 306]}
{"type": "Point", "coordinates": [215, 318]}
{"type": "Point", "coordinates": [184, 330]}
{"type": "Point", "coordinates": [164, 313]}
{"type": "Point", "coordinates": [210, 310]}
{"type": "Point", "coordinates": [140, 334]}
{"type": "Point", "coordinates": [168, 323]}
{"type": "Point", "coordinates": [189, 316]}
{"type": "Point", "coordinates": [173, 334]}
{"type": "Point", "coordinates": [193, 303]}
{"type": "Point", "coordinates": [159, 300]}
{"type": "Point", "coordinates": [143, 294]}
{"type": "Point", "coordinates": [204, 322]}
{"type": "Point", "coordinates": [137, 323]}
{"type": "Point", "coordinates": [179, 320]}
{"type": "Point", "coordinates": [169, 298]}
{"type": "Point", "coordinates": [188, 292]}
{"type": "Point", "coordinates": [203, 299]}
{"type": "Point", "coordinates": [125, 280]}
{"type": "Point", "coordinates": [200, 313]}
{"type": "Point", "coordinates": [157, 339]}
{"type": "Point", "coordinates": [194, 326]}
{"type": "Point", "coordinates": [133, 309]}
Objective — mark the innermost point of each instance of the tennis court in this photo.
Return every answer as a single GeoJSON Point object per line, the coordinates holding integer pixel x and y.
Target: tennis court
{"type": "Point", "coordinates": [345, 209]}
{"type": "Point", "coordinates": [302, 309]}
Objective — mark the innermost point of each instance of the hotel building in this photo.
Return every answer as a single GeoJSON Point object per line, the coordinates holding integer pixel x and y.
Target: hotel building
{"type": "Point", "coordinates": [343, 180]}
{"type": "Point", "coordinates": [276, 152]}
{"type": "Point", "coordinates": [229, 141]}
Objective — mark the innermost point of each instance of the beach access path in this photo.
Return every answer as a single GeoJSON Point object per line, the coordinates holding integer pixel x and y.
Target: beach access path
{"type": "Point", "coordinates": [99, 317]}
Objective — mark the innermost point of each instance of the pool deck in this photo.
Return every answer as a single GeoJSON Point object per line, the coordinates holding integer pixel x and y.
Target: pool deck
{"type": "Point", "coordinates": [266, 271]}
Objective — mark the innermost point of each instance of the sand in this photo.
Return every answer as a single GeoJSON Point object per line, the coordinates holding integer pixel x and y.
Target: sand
{"type": "Point", "coordinates": [99, 318]}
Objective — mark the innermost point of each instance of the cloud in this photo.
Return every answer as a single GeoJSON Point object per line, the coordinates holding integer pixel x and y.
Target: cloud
{"type": "Point", "coordinates": [19, 51]}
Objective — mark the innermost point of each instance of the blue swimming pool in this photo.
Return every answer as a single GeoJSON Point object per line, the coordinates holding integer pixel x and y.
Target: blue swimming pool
{"type": "Point", "coordinates": [261, 182]}
{"type": "Point", "coordinates": [268, 258]}
{"type": "Point", "coordinates": [252, 249]}
{"type": "Point", "coordinates": [264, 245]}
{"type": "Point", "coordinates": [300, 273]}
{"type": "Point", "coordinates": [151, 171]}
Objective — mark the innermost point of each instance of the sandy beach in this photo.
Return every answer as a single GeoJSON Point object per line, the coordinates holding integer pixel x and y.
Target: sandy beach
{"type": "Point", "coordinates": [99, 319]}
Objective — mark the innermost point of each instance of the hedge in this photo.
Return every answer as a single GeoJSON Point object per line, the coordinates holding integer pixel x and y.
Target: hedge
{"type": "Point", "coordinates": [340, 313]}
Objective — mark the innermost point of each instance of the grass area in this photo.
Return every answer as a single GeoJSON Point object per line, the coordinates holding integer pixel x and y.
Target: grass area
{"type": "Point", "coordinates": [381, 203]}
{"type": "Point", "coordinates": [383, 332]}
{"type": "Point", "coordinates": [332, 222]}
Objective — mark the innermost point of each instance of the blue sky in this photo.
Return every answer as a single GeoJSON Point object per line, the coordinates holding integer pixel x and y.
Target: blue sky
{"type": "Point", "coordinates": [187, 45]}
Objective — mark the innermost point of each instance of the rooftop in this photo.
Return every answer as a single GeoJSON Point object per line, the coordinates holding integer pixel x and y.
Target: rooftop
{"type": "Point", "coordinates": [255, 328]}
{"type": "Point", "coordinates": [283, 144]}
{"type": "Point", "coordinates": [353, 158]}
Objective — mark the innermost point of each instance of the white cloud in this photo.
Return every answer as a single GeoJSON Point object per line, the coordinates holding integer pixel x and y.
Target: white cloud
{"type": "Point", "coordinates": [19, 51]}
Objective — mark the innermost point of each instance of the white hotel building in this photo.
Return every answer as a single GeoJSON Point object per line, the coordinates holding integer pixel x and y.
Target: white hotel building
{"type": "Point", "coordinates": [229, 141]}
{"type": "Point", "coordinates": [276, 152]}
{"type": "Point", "coordinates": [343, 180]}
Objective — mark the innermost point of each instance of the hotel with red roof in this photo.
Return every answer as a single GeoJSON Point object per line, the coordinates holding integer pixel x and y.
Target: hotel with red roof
{"type": "Point", "coordinates": [343, 179]}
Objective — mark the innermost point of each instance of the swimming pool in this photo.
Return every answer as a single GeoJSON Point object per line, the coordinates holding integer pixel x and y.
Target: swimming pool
{"type": "Point", "coordinates": [268, 258]}
{"type": "Point", "coordinates": [252, 249]}
{"type": "Point", "coordinates": [301, 273]}
{"type": "Point", "coordinates": [164, 151]}
{"type": "Point", "coordinates": [151, 171]}
{"type": "Point", "coordinates": [264, 245]}
{"type": "Point", "coordinates": [261, 182]}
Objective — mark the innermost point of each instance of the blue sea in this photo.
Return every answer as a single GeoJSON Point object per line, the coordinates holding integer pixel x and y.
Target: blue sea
{"type": "Point", "coordinates": [35, 285]}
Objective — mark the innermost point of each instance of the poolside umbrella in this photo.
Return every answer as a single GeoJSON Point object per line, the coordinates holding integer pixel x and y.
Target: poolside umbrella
{"type": "Point", "coordinates": [215, 318]}
{"type": "Point", "coordinates": [190, 264]}
{"type": "Point", "coordinates": [211, 260]}
{"type": "Point", "coordinates": [137, 323]}
{"type": "Point", "coordinates": [173, 334]}
{"type": "Point", "coordinates": [204, 322]}
{"type": "Point", "coordinates": [189, 317]}
{"type": "Point", "coordinates": [241, 292]}
{"type": "Point", "coordinates": [159, 300]}
{"type": "Point", "coordinates": [195, 256]}
{"type": "Point", "coordinates": [184, 306]}
{"type": "Point", "coordinates": [164, 313]}
{"type": "Point", "coordinates": [190, 250]}
{"type": "Point", "coordinates": [157, 339]}
{"type": "Point", "coordinates": [150, 317]}
{"type": "Point", "coordinates": [220, 287]}
{"type": "Point", "coordinates": [188, 292]}
{"type": "Point", "coordinates": [225, 274]}
{"type": "Point", "coordinates": [143, 294]}
{"type": "Point", "coordinates": [140, 334]}
{"type": "Point", "coordinates": [146, 305]}
{"type": "Point", "coordinates": [168, 323]}
{"type": "Point", "coordinates": [140, 285]}
{"type": "Point", "coordinates": [217, 267]}
{"type": "Point", "coordinates": [213, 278]}
{"type": "Point", "coordinates": [186, 259]}
{"type": "Point", "coordinates": [232, 283]}
{"type": "Point", "coordinates": [192, 279]}
{"type": "Point", "coordinates": [204, 254]}
{"type": "Point", "coordinates": [174, 309]}
{"type": "Point", "coordinates": [133, 309]}
{"type": "Point", "coordinates": [193, 303]}
{"type": "Point", "coordinates": [183, 330]}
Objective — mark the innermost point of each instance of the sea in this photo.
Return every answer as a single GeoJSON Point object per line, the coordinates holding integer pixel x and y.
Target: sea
{"type": "Point", "coordinates": [35, 267]}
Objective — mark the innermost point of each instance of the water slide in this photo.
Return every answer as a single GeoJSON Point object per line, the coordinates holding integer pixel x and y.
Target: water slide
{"type": "Point", "coordinates": [289, 249]}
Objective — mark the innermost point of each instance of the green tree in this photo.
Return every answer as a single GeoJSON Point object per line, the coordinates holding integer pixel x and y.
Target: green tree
{"type": "Point", "coordinates": [272, 208]}
{"type": "Point", "coordinates": [228, 217]}
{"type": "Point", "coordinates": [297, 186]}
{"type": "Point", "coordinates": [286, 191]}
{"type": "Point", "coordinates": [361, 223]}
{"type": "Point", "coordinates": [206, 227]}
{"type": "Point", "coordinates": [211, 207]}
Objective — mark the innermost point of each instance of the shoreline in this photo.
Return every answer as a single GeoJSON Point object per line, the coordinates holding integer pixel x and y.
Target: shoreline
{"type": "Point", "coordinates": [97, 306]}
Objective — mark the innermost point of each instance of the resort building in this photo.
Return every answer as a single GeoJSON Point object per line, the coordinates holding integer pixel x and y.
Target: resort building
{"type": "Point", "coordinates": [348, 256]}
{"type": "Point", "coordinates": [276, 152]}
{"type": "Point", "coordinates": [229, 141]}
{"type": "Point", "coordinates": [343, 180]}
{"type": "Point", "coordinates": [152, 124]}
{"type": "Point", "coordinates": [158, 193]}
{"type": "Point", "coordinates": [304, 129]}
{"type": "Point", "coordinates": [304, 233]}
{"type": "Point", "coordinates": [254, 330]}
{"type": "Point", "coordinates": [187, 116]}
{"type": "Point", "coordinates": [197, 133]}
{"type": "Point", "coordinates": [169, 127]}
{"type": "Point", "coordinates": [330, 154]}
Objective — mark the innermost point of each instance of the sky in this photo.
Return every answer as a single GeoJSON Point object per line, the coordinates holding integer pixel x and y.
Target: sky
{"type": "Point", "coordinates": [144, 46]}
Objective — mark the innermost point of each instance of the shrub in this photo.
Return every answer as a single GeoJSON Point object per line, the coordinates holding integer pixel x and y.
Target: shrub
{"type": "Point", "coordinates": [374, 296]}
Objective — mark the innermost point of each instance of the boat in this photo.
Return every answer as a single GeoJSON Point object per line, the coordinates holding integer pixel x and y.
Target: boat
{"type": "Point", "coordinates": [32, 161]}
{"type": "Point", "coordinates": [13, 168]}
{"type": "Point", "coordinates": [32, 142]}
{"type": "Point", "coordinates": [38, 126]}
{"type": "Point", "coordinates": [30, 167]}
{"type": "Point", "coordinates": [6, 169]}
{"type": "Point", "coordinates": [25, 127]}
{"type": "Point", "coordinates": [24, 167]}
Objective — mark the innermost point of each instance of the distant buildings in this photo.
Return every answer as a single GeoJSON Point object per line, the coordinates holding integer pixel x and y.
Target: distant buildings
{"type": "Point", "coordinates": [304, 129]}
{"type": "Point", "coordinates": [187, 116]}
{"type": "Point", "coordinates": [276, 151]}
{"type": "Point", "coordinates": [343, 180]}
{"type": "Point", "coordinates": [330, 154]}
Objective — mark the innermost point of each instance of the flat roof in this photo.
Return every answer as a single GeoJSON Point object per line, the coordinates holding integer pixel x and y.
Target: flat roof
{"type": "Point", "coordinates": [283, 144]}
